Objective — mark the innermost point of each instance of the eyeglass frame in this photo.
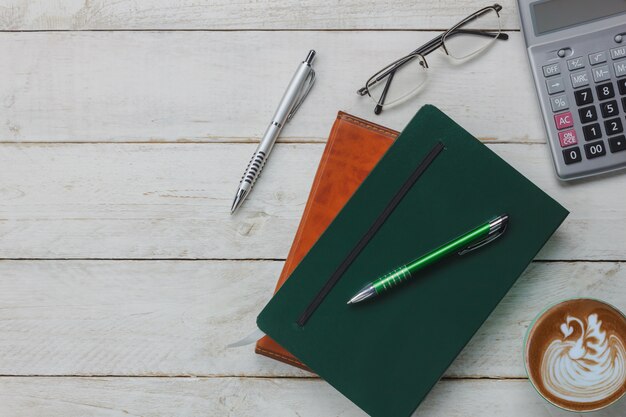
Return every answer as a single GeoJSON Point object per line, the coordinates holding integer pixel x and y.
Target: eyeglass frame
{"type": "Point", "coordinates": [429, 47]}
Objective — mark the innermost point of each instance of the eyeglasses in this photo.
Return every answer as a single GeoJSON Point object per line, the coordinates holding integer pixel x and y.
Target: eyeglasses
{"type": "Point", "coordinates": [406, 76]}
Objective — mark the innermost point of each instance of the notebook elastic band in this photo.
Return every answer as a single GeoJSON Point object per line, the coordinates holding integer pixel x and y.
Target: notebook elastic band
{"type": "Point", "coordinates": [380, 220]}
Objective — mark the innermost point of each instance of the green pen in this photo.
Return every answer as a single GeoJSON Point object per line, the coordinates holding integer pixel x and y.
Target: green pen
{"type": "Point", "coordinates": [474, 239]}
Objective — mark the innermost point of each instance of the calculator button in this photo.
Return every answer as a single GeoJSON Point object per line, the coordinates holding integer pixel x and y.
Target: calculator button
{"type": "Point", "coordinates": [601, 73]}
{"type": "Point", "coordinates": [576, 63]}
{"type": "Point", "coordinates": [555, 85]}
{"type": "Point", "coordinates": [568, 138]}
{"type": "Point", "coordinates": [564, 120]}
{"type": "Point", "coordinates": [592, 132]}
{"type": "Point", "coordinates": [609, 109]}
{"type": "Point", "coordinates": [613, 126]}
{"type": "Point", "coordinates": [552, 69]}
{"type": "Point", "coordinates": [588, 114]}
{"type": "Point", "coordinates": [559, 103]}
{"type": "Point", "coordinates": [624, 103]}
{"type": "Point", "coordinates": [617, 144]}
{"type": "Point", "coordinates": [617, 53]}
{"type": "Point", "coordinates": [584, 96]}
{"type": "Point", "coordinates": [595, 150]}
{"type": "Point", "coordinates": [597, 58]}
{"type": "Point", "coordinates": [580, 79]}
{"type": "Point", "coordinates": [620, 68]}
{"type": "Point", "coordinates": [605, 91]}
{"type": "Point", "coordinates": [572, 156]}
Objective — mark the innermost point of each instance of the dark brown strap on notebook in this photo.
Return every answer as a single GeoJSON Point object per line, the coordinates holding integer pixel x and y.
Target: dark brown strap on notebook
{"type": "Point", "coordinates": [380, 220]}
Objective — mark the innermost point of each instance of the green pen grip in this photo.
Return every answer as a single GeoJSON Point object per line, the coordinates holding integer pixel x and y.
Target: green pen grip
{"type": "Point", "coordinates": [403, 273]}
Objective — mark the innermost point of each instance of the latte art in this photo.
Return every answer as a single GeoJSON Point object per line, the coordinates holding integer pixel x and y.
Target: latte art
{"type": "Point", "coordinates": [575, 354]}
{"type": "Point", "coordinates": [584, 365]}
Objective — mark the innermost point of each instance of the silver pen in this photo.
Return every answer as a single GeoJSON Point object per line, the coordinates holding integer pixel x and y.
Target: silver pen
{"type": "Point", "coordinates": [297, 91]}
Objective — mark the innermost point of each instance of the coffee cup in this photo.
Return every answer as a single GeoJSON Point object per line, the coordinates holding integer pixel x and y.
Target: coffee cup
{"type": "Point", "coordinates": [575, 355]}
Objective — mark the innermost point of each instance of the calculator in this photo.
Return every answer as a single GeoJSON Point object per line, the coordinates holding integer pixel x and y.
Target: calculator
{"type": "Point", "coordinates": [577, 53]}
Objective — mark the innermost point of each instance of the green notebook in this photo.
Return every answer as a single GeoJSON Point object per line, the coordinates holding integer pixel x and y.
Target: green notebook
{"type": "Point", "coordinates": [385, 355]}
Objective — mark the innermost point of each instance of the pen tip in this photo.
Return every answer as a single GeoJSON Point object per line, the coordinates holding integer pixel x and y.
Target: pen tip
{"type": "Point", "coordinates": [233, 208]}
{"type": "Point", "coordinates": [310, 56]}
{"type": "Point", "coordinates": [364, 294]}
{"type": "Point", "coordinates": [239, 197]}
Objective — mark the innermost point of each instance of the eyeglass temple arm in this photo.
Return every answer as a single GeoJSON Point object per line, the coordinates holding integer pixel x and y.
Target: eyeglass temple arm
{"type": "Point", "coordinates": [381, 102]}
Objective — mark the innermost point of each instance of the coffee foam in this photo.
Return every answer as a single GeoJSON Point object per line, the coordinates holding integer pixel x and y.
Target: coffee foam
{"type": "Point", "coordinates": [576, 355]}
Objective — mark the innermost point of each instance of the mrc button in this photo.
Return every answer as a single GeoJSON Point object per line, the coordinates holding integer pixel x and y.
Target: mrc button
{"type": "Point", "coordinates": [580, 79]}
{"type": "Point", "coordinates": [564, 120]}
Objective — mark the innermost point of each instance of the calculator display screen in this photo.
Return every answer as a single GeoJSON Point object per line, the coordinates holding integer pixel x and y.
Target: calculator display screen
{"type": "Point", "coordinates": [551, 15]}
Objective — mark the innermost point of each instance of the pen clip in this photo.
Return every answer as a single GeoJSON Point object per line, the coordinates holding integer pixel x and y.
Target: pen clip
{"type": "Point", "coordinates": [487, 240]}
{"type": "Point", "coordinates": [310, 80]}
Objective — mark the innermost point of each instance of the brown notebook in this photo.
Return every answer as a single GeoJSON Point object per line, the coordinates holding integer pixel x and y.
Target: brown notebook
{"type": "Point", "coordinates": [354, 148]}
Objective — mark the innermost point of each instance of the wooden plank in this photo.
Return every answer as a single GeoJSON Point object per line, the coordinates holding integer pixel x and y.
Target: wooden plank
{"type": "Point", "coordinates": [173, 201]}
{"type": "Point", "coordinates": [224, 14]}
{"type": "Point", "coordinates": [132, 318]}
{"type": "Point", "coordinates": [172, 318]}
{"type": "Point", "coordinates": [216, 86]}
{"type": "Point", "coordinates": [157, 397]}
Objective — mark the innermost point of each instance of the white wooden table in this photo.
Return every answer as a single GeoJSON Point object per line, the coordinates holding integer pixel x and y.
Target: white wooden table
{"type": "Point", "coordinates": [125, 126]}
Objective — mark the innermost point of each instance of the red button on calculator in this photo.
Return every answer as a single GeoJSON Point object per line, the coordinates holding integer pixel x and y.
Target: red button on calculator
{"type": "Point", "coordinates": [568, 138]}
{"type": "Point", "coordinates": [564, 120]}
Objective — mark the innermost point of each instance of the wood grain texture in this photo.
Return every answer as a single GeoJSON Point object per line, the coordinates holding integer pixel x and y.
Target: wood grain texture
{"type": "Point", "coordinates": [172, 318]}
{"type": "Point", "coordinates": [172, 201]}
{"type": "Point", "coordinates": [225, 86]}
{"type": "Point", "coordinates": [228, 15]}
{"type": "Point", "coordinates": [169, 71]}
{"type": "Point", "coordinates": [235, 397]}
